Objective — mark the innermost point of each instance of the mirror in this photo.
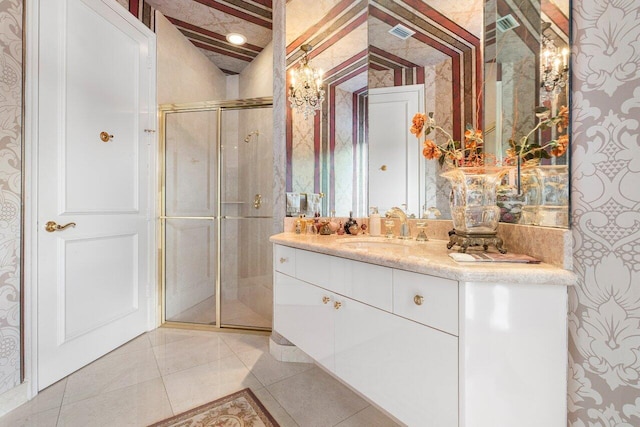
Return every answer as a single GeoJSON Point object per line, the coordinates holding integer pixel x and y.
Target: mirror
{"type": "Point", "coordinates": [335, 154]}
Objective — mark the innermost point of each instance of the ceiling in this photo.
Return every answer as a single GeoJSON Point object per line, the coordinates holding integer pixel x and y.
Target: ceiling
{"type": "Point", "coordinates": [207, 22]}
{"type": "Point", "coordinates": [444, 29]}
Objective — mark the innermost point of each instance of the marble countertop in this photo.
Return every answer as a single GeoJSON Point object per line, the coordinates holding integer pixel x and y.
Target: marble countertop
{"type": "Point", "coordinates": [430, 257]}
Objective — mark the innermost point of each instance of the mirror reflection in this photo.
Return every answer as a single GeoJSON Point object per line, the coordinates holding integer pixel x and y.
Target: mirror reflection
{"type": "Point", "coordinates": [385, 60]}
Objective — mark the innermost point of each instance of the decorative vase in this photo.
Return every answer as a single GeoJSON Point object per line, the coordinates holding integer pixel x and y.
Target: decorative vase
{"type": "Point", "coordinates": [553, 210]}
{"type": "Point", "coordinates": [474, 210]}
{"type": "Point", "coordinates": [510, 203]}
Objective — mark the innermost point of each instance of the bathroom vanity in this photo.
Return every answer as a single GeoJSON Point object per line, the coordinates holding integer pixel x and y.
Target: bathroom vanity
{"type": "Point", "coordinates": [433, 342]}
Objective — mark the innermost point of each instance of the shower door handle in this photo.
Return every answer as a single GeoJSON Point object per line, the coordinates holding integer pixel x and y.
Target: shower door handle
{"type": "Point", "coordinates": [257, 201]}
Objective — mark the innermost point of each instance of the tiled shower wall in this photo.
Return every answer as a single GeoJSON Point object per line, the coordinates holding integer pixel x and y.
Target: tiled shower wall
{"type": "Point", "coordinates": [605, 305]}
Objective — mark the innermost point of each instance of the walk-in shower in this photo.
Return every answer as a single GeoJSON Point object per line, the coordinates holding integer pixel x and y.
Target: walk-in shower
{"type": "Point", "coordinates": [217, 213]}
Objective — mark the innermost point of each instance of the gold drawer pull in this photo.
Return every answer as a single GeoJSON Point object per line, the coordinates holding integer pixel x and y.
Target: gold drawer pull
{"type": "Point", "coordinates": [337, 305]}
{"type": "Point", "coordinates": [105, 136]}
{"type": "Point", "coordinates": [325, 300]}
{"type": "Point", "coordinates": [283, 260]}
{"type": "Point", "coordinates": [418, 299]}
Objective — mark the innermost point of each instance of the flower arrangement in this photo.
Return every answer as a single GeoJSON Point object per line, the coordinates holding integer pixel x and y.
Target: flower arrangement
{"type": "Point", "coordinates": [453, 152]}
{"type": "Point", "coordinates": [470, 152]}
{"type": "Point", "coordinates": [532, 152]}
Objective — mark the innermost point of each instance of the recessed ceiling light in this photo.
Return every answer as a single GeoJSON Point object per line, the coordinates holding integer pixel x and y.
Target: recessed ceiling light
{"type": "Point", "coordinates": [235, 38]}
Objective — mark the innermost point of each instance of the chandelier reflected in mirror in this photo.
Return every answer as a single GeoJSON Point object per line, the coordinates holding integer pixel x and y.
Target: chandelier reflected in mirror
{"type": "Point", "coordinates": [305, 89]}
{"type": "Point", "coordinates": [554, 66]}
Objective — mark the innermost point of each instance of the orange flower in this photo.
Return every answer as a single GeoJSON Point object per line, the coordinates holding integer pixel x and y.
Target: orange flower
{"type": "Point", "coordinates": [418, 124]}
{"type": "Point", "coordinates": [561, 146]}
{"type": "Point", "coordinates": [430, 150]}
{"type": "Point", "coordinates": [564, 118]}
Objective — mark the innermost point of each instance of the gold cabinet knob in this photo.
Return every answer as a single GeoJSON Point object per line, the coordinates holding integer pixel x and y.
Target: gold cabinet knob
{"type": "Point", "coordinates": [325, 300]}
{"type": "Point", "coordinates": [337, 305]}
{"type": "Point", "coordinates": [418, 299]}
{"type": "Point", "coordinates": [51, 226]}
{"type": "Point", "coordinates": [105, 136]}
{"type": "Point", "coordinates": [283, 260]}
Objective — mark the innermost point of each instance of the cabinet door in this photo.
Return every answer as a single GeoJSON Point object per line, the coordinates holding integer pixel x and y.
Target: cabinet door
{"type": "Point", "coordinates": [406, 368]}
{"type": "Point", "coordinates": [303, 314]}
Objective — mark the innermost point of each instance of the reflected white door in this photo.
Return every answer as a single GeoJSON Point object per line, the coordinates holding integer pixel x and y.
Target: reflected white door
{"type": "Point", "coordinates": [394, 153]}
{"type": "Point", "coordinates": [95, 74]}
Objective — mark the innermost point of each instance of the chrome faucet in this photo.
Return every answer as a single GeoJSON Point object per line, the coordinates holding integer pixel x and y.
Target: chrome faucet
{"type": "Point", "coordinates": [396, 212]}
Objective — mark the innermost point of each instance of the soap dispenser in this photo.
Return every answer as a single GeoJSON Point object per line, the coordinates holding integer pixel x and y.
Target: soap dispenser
{"type": "Point", "coordinates": [374, 222]}
{"type": "Point", "coordinates": [350, 223]}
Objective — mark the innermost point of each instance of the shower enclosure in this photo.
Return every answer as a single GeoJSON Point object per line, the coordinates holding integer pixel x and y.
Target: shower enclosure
{"type": "Point", "coordinates": [216, 214]}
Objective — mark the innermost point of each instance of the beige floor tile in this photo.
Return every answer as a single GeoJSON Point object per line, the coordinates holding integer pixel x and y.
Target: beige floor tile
{"type": "Point", "coordinates": [274, 408]}
{"type": "Point", "coordinates": [111, 372]}
{"type": "Point", "coordinates": [204, 313]}
{"type": "Point", "coordinates": [239, 342]}
{"type": "Point", "coordinates": [140, 343]}
{"type": "Point", "coordinates": [313, 398]}
{"type": "Point", "coordinates": [269, 370]}
{"type": "Point", "coordinates": [47, 399]}
{"type": "Point", "coordinates": [137, 405]}
{"type": "Point", "coordinates": [202, 384]}
{"type": "Point", "coordinates": [369, 417]}
{"type": "Point", "coordinates": [190, 352]}
{"type": "Point", "coordinates": [164, 336]}
{"type": "Point", "coordinates": [47, 418]}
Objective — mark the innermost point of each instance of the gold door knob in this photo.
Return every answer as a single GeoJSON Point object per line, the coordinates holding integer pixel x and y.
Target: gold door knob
{"type": "Point", "coordinates": [337, 305]}
{"type": "Point", "coordinates": [283, 260]}
{"type": "Point", "coordinates": [105, 137]}
{"type": "Point", "coordinates": [418, 299]}
{"type": "Point", "coordinates": [51, 226]}
{"type": "Point", "coordinates": [325, 300]}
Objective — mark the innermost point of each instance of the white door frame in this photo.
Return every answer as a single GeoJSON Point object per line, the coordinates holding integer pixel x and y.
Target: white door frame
{"type": "Point", "coordinates": [30, 192]}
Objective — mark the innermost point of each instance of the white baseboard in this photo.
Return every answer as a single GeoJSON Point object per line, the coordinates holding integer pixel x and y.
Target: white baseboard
{"type": "Point", "coordinates": [13, 398]}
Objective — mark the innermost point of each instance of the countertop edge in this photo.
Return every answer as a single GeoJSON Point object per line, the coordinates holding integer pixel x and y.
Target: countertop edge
{"type": "Point", "coordinates": [438, 262]}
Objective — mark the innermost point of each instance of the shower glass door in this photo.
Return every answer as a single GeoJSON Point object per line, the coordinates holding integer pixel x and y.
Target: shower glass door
{"type": "Point", "coordinates": [190, 214]}
{"type": "Point", "coordinates": [246, 217]}
{"type": "Point", "coordinates": [217, 176]}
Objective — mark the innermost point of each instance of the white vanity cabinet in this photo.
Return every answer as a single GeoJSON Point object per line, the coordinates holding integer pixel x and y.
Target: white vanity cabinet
{"type": "Point", "coordinates": [396, 363]}
{"type": "Point", "coordinates": [431, 351]}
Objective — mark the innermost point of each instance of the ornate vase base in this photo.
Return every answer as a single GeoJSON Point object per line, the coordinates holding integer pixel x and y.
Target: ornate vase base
{"type": "Point", "coordinates": [465, 240]}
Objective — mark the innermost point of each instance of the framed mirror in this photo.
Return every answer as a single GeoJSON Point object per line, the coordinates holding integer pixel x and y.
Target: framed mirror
{"type": "Point", "coordinates": [472, 72]}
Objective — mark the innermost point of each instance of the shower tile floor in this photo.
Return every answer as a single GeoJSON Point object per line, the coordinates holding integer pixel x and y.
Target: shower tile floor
{"type": "Point", "coordinates": [167, 371]}
{"type": "Point", "coordinates": [234, 312]}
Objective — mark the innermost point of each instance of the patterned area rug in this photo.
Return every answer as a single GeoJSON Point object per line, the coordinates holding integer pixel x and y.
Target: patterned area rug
{"type": "Point", "coordinates": [241, 409]}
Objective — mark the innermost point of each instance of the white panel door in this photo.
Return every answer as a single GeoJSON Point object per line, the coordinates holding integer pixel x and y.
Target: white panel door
{"type": "Point", "coordinates": [395, 156]}
{"type": "Point", "coordinates": [95, 74]}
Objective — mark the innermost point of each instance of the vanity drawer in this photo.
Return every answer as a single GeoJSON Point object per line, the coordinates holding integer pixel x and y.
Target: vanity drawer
{"type": "Point", "coordinates": [284, 260]}
{"type": "Point", "coordinates": [430, 300]}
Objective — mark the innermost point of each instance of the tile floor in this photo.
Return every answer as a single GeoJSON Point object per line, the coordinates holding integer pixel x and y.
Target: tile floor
{"type": "Point", "coordinates": [234, 313]}
{"type": "Point", "coordinates": [167, 371]}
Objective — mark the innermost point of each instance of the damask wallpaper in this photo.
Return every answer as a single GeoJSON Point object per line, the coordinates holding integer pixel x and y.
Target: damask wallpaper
{"type": "Point", "coordinates": [10, 189]}
{"type": "Point", "coordinates": [604, 311]}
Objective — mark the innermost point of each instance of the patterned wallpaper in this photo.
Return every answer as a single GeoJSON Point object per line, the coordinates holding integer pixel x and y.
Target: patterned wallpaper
{"type": "Point", "coordinates": [10, 189]}
{"type": "Point", "coordinates": [604, 307]}
{"type": "Point", "coordinates": [604, 370]}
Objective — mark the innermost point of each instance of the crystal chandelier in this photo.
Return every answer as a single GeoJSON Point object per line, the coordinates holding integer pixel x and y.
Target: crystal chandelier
{"type": "Point", "coordinates": [305, 91]}
{"type": "Point", "coordinates": [554, 67]}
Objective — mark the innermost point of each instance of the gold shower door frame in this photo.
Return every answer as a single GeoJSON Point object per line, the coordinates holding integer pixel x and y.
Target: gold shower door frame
{"type": "Point", "coordinates": [219, 107]}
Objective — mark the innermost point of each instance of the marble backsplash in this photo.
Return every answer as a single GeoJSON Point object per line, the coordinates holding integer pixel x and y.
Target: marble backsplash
{"type": "Point", "coordinates": [550, 245]}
